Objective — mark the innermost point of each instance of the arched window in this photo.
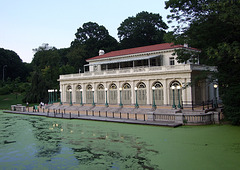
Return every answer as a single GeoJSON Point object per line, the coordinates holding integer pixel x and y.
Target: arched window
{"type": "Point", "coordinates": [141, 93]}
{"type": "Point", "coordinates": [112, 94]}
{"type": "Point", "coordinates": [68, 93]}
{"type": "Point", "coordinates": [126, 93]}
{"type": "Point", "coordinates": [100, 94]}
{"type": "Point", "coordinates": [175, 87]}
{"type": "Point", "coordinates": [89, 93]}
{"type": "Point", "coordinates": [141, 85]}
{"type": "Point", "coordinates": [78, 93]}
{"type": "Point", "coordinates": [113, 86]}
{"type": "Point", "coordinates": [126, 86]}
{"type": "Point", "coordinates": [158, 93]}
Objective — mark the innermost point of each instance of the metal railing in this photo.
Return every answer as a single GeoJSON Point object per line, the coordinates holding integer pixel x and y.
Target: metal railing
{"type": "Point", "coordinates": [204, 105]}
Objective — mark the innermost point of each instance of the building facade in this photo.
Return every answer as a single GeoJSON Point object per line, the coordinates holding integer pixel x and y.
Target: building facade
{"type": "Point", "coordinates": [148, 75]}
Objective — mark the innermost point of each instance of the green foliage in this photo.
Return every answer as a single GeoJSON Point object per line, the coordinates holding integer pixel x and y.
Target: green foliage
{"type": "Point", "coordinates": [14, 67]}
{"type": "Point", "coordinates": [4, 90]}
{"type": "Point", "coordinates": [15, 86]}
{"type": "Point", "coordinates": [184, 55]}
{"type": "Point", "coordinates": [231, 100]}
{"type": "Point", "coordinates": [10, 99]}
{"type": "Point", "coordinates": [91, 37]}
{"type": "Point", "coordinates": [49, 62]}
{"type": "Point", "coordinates": [38, 90]}
{"type": "Point", "coordinates": [214, 27]}
{"type": "Point", "coordinates": [144, 29]}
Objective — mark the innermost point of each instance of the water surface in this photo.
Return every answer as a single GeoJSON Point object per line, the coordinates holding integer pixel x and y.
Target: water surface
{"type": "Point", "coordinates": [30, 142]}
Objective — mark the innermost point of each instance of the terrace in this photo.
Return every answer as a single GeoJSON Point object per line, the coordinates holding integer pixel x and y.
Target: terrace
{"type": "Point", "coordinates": [140, 70]}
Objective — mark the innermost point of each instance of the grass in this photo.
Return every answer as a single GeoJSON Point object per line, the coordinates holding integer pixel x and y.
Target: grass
{"type": "Point", "coordinates": [11, 99]}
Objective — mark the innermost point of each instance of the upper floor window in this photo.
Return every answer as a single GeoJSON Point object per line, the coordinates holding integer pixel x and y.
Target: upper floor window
{"type": "Point", "coordinates": [171, 61]}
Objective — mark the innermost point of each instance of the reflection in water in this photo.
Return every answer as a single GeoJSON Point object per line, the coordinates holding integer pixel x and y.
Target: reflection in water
{"type": "Point", "coordinates": [67, 143]}
{"type": "Point", "coordinates": [93, 146]}
{"type": "Point", "coordinates": [29, 142]}
{"type": "Point", "coordinates": [112, 150]}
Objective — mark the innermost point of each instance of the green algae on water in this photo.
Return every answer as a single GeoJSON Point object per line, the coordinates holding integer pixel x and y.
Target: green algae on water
{"type": "Point", "coordinates": [30, 142]}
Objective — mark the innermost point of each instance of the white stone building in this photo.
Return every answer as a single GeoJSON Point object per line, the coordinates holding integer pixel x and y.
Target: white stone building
{"type": "Point", "coordinates": [132, 76]}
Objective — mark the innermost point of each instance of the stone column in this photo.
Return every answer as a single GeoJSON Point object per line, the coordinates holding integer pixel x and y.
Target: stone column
{"type": "Point", "coordinates": [118, 91]}
{"type": "Point", "coordinates": [133, 91]}
{"type": "Point", "coordinates": [73, 93]}
{"type": "Point", "coordinates": [148, 91]}
{"type": "Point", "coordinates": [184, 91]}
{"type": "Point", "coordinates": [189, 97]}
{"type": "Point", "coordinates": [84, 93]}
{"type": "Point", "coordinates": [64, 93]}
{"type": "Point", "coordinates": [95, 92]}
{"type": "Point", "coordinates": [165, 92]}
{"type": "Point", "coordinates": [106, 85]}
{"type": "Point", "coordinates": [61, 94]}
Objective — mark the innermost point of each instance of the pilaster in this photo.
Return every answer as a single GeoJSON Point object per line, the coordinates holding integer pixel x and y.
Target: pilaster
{"type": "Point", "coordinates": [165, 92]}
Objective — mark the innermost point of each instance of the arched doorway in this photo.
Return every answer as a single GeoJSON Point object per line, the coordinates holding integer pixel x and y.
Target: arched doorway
{"type": "Point", "coordinates": [89, 94]}
{"type": "Point", "coordinates": [126, 93]}
{"type": "Point", "coordinates": [175, 87]}
{"type": "Point", "coordinates": [100, 94]}
{"type": "Point", "coordinates": [78, 94]}
{"type": "Point", "coordinates": [68, 89]}
{"type": "Point", "coordinates": [141, 93]}
{"type": "Point", "coordinates": [113, 94]}
{"type": "Point", "coordinates": [158, 93]}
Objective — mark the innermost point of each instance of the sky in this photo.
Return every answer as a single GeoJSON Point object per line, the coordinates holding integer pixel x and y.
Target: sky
{"type": "Point", "coordinates": [27, 24]}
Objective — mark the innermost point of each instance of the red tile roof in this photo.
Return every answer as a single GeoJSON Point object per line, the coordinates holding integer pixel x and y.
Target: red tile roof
{"type": "Point", "coordinates": [136, 50]}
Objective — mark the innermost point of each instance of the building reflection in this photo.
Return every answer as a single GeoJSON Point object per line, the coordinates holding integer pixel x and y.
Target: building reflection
{"type": "Point", "coordinates": [92, 146]}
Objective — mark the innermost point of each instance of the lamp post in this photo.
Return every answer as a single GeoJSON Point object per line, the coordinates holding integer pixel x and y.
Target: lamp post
{"type": "Point", "coordinates": [215, 95]}
{"type": "Point", "coordinates": [179, 104]}
{"type": "Point", "coordinates": [120, 90]}
{"type": "Point", "coordinates": [153, 105]}
{"type": "Point", "coordinates": [93, 97]}
{"type": "Point", "coordinates": [52, 96]}
{"type": "Point", "coordinates": [70, 90]}
{"type": "Point", "coordinates": [106, 104]}
{"type": "Point", "coordinates": [56, 95]}
{"type": "Point", "coordinates": [3, 71]}
{"type": "Point", "coordinates": [136, 105]}
{"type": "Point", "coordinates": [60, 91]}
{"type": "Point", "coordinates": [49, 96]}
{"type": "Point", "coordinates": [173, 106]}
{"type": "Point", "coordinates": [81, 96]}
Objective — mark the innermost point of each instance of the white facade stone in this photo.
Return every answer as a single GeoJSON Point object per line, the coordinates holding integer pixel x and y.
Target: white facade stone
{"type": "Point", "coordinates": [147, 74]}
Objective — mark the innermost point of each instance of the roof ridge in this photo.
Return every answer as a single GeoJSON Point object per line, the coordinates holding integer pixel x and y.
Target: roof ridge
{"type": "Point", "coordinates": [135, 50]}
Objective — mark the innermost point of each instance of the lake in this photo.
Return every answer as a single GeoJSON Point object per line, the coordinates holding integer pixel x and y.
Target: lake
{"type": "Point", "coordinates": [31, 142]}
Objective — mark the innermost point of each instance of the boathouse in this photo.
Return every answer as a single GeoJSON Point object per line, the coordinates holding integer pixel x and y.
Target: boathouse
{"type": "Point", "coordinates": [149, 75]}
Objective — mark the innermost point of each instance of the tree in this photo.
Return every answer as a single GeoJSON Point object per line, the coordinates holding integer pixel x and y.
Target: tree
{"type": "Point", "coordinates": [77, 53]}
{"type": "Point", "coordinates": [93, 37]}
{"type": "Point", "coordinates": [214, 27]}
{"type": "Point", "coordinates": [14, 66]}
{"type": "Point", "coordinates": [38, 90]}
{"type": "Point", "coordinates": [143, 29]}
{"type": "Point", "coordinates": [43, 47]}
{"type": "Point", "coordinates": [46, 64]}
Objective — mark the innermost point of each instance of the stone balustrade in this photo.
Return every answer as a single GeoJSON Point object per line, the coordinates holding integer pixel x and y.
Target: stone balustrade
{"type": "Point", "coordinates": [137, 70]}
{"type": "Point", "coordinates": [18, 107]}
{"type": "Point", "coordinates": [186, 118]}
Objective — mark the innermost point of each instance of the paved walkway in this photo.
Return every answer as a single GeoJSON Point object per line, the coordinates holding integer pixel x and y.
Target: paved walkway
{"type": "Point", "coordinates": [97, 118]}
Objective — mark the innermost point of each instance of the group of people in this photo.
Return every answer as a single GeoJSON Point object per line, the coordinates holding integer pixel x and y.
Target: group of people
{"type": "Point", "coordinates": [41, 104]}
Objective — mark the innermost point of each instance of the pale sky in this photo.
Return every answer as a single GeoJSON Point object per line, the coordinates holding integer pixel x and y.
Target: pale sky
{"type": "Point", "coordinates": [27, 24]}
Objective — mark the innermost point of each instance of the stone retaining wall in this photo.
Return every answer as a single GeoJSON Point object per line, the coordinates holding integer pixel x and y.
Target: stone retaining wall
{"type": "Point", "coordinates": [18, 107]}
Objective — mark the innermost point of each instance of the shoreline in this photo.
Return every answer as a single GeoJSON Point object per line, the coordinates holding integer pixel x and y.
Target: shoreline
{"type": "Point", "coordinates": [96, 118]}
